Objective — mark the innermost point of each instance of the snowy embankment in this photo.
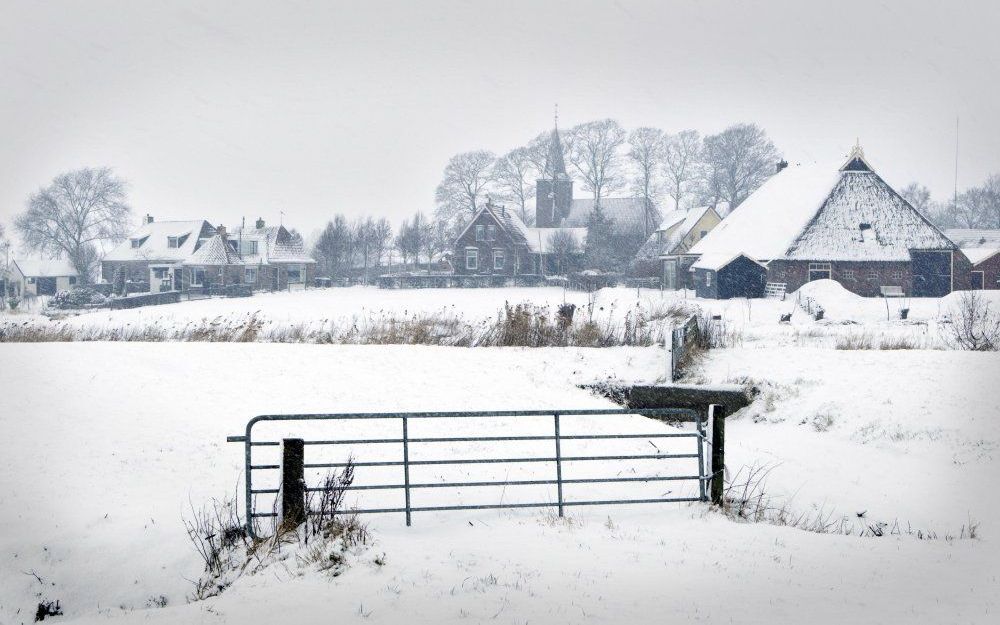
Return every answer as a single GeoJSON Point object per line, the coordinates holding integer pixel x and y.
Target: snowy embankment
{"type": "Point", "coordinates": [106, 444]}
{"type": "Point", "coordinates": [458, 316]}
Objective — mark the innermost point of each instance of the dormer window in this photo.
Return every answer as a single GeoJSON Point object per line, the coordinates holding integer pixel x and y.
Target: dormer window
{"type": "Point", "coordinates": [865, 226]}
{"type": "Point", "coordinates": [173, 242]}
{"type": "Point", "coordinates": [136, 243]}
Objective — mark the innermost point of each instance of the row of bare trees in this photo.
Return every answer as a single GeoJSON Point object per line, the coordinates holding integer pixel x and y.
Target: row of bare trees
{"type": "Point", "coordinates": [605, 159]}
{"type": "Point", "coordinates": [976, 207]}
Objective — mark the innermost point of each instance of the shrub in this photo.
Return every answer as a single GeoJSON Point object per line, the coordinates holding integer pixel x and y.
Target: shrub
{"type": "Point", "coordinates": [82, 297]}
{"type": "Point", "coordinates": [973, 325]}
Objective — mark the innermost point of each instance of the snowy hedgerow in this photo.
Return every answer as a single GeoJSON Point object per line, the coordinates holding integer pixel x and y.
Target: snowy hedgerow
{"type": "Point", "coordinates": [77, 298]}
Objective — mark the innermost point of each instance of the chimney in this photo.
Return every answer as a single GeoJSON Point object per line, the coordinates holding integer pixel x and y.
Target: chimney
{"type": "Point", "coordinates": [260, 223]}
{"type": "Point", "coordinates": [781, 165]}
{"type": "Point", "coordinates": [148, 219]}
{"type": "Point", "coordinates": [221, 231]}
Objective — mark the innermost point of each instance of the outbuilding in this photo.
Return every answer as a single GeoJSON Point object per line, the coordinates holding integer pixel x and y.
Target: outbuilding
{"type": "Point", "coordinates": [30, 277]}
{"type": "Point", "coordinates": [726, 277]}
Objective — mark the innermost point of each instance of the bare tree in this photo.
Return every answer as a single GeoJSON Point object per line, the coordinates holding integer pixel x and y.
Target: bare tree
{"type": "Point", "coordinates": [682, 164]}
{"type": "Point", "coordinates": [381, 239]}
{"type": "Point", "coordinates": [646, 152]}
{"type": "Point", "coordinates": [537, 151]}
{"type": "Point", "coordinates": [918, 196]}
{"type": "Point", "coordinates": [465, 180]}
{"type": "Point", "coordinates": [739, 159]}
{"type": "Point", "coordinates": [332, 248]}
{"type": "Point", "coordinates": [4, 249]}
{"type": "Point", "coordinates": [77, 212]}
{"type": "Point", "coordinates": [594, 150]}
{"type": "Point", "coordinates": [515, 173]}
{"type": "Point", "coordinates": [562, 246]}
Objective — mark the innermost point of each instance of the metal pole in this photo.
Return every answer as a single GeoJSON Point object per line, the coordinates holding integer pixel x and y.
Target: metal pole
{"type": "Point", "coordinates": [702, 474]}
{"type": "Point", "coordinates": [406, 470]}
{"type": "Point", "coordinates": [559, 485]}
{"type": "Point", "coordinates": [251, 530]}
{"type": "Point", "coordinates": [718, 452]}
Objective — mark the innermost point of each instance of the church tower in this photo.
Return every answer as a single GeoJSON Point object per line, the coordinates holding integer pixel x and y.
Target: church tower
{"type": "Point", "coordinates": [554, 190]}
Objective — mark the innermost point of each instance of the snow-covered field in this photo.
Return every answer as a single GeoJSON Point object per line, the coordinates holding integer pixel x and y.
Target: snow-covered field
{"type": "Point", "coordinates": [104, 446]}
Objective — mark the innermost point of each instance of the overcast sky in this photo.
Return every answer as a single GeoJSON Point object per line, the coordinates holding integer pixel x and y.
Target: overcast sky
{"type": "Point", "coordinates": [234, 109]}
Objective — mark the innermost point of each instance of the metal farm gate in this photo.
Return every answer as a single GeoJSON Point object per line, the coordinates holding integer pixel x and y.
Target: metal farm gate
{"type": "Point", "coordinates": [397, 451]}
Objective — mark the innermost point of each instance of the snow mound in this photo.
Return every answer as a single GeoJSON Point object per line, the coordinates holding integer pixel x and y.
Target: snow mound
{"type": "Point", "coordinates": [836, 301]}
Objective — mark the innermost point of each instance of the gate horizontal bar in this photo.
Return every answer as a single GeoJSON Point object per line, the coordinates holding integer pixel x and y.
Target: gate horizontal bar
{"type": "Point", "coordinates": [596, 480]}
{"type": "Point", "coordinates": [399, 463]}
{"type": "Point", "coordinates": [485, 439]}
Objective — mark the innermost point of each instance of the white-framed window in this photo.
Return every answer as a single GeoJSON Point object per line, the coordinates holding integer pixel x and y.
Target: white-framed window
{"type": "Point", "coordinates": [819, 271]}
{"type": "Point", "coordinates": [248, 248]}
{"type": "Point", "coordinates": [31, 280]}
{"type": "Point", "coordinates": [872, 274]}
{"type": "Point", "coordinates": [173, 242]}
{"type": "Point", "coordinates": [708, 278]}
{"type": "Point", "coordinates": [197, 277]}
{"type": "Point", "coordinates": [136, 243]}
{"type": "Point", "coordinates": [160, 273]}
{"type": "Point", "coordinates": [295, 274]}
{"type": "Point", "coordinates": [472, 260]}
{"type": "Point", "coordinates": [499, 258]}
{"type": "Point", "coordinates": [897, 274]}
{"type": "Point", "coordinates": [72, 280]}
{"type": "Point", "coordinates": [480, 232]}
{"type": "Point", "coordinates": [848, 273]}
{"type": "Point", "coordinates": [250, 275]}
{"type": "Point", "coordinates": [491, 233]}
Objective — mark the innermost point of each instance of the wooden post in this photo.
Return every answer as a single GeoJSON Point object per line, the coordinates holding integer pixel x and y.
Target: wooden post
{"type": "Point", "coordinates": [293, 483]}
{"type": "Point", "coordinates": [718, 415]}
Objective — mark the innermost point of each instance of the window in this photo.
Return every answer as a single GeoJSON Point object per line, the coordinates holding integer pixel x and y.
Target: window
{"type": "Point", "coordinates": [294, 274]}
{"type": "Point", "coordinates": [848, 273]}
{"type": "Point", "coordinates": [491, 233]}
{"type": "Point", "coordinates": [197, 277]}
{"type": "Point", "coordinates": [159, 273]}
{"type": "Point", "coordinates": [72, 280]}
{"type": "Point", "coordinates": [248, 248]}
{"type": "Point", "coordinates": [136, 243]}
{"type": "Point", "coordinates": [703, 233]}
{"type": "Point", "coordinates": [31, 280]}
{"type": "Point", "coordinates": [819, 271]}
{"type": "Point", "coordinates": [872, 274]}
{"type": "Point", "coordinates": [472, 260]}
{"type": "Point", "coordinates": [499, 257]}
{"type": "Point", "coordinates": [708, 278]}
{"type": "Point", "coordinates": [480, 232]}
{"type": "Point", "coordinates": [250, 275]}
{"type": "Point", "coordinates": [173, 242]}
{"type": "Point", "coordinates": [897, 275]}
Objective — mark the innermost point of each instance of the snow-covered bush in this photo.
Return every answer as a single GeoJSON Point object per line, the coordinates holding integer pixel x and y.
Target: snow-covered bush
{"type": "Point", "coordinates": [974, 326]}
{"type": "Point", "coordinates": [83, 297]}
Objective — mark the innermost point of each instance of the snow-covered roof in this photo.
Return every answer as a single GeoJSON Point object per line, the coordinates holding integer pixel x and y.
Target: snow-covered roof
{"type": "Point", "coordinates": [815, 212]}
{"type": "Point", "coordinates": [39, 267]}
{"type": "Point", "coordinates": [539, 238]}
{"type": "Point", "coordinates": [977, 255]}
{"type": "Point", "coordinates": [716, 261]}
{"type": "Point", "coordinates": [214, 251]}
{"type": "Point", "coordinates": [274, 244]}
{"type": "Point", "coordinates": [153, 241]}
{"type": "Point", "coordinates": [675, 226]}
{"type": "Point", "coordinates": [972, 237]}
{"type": "Point", "coordinates": [626, 214]}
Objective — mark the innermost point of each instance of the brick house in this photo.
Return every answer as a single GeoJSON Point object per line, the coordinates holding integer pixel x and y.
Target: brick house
{"type": "Point", "coordinates": [273, 258]}
{"type": "Point", "coordinates": [152, 256]}
{"type": "Point", "coordinates": [847, 224]}
{"type": "Point", "coordinates": [496, 242]}
{"type": "Point", "coordinates": [982, 249]}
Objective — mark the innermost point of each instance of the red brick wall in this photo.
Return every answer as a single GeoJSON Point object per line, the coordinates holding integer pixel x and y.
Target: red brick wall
{"type": "Point", "coordinates": [862, 278]}
{"type": "Point", "coordinates": [991, 272]}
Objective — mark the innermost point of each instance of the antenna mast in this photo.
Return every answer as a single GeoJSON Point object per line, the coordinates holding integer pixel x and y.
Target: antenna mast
{"type": "Point", "coordinates": [956, 164]}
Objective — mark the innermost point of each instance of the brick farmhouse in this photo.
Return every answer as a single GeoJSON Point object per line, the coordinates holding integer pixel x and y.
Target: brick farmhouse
{"type": "Point", "coordinates": [810, 222]}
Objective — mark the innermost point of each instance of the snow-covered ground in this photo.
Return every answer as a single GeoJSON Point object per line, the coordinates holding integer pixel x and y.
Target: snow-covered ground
{"type": "Point", "coordinates": [104, 446]}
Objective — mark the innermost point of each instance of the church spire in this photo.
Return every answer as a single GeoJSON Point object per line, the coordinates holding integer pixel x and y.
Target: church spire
{"type": "Point", "coordinates": [555, 166]}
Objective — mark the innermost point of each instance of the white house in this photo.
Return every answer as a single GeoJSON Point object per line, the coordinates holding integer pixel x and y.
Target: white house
{"type": "Point", "coordinates": [41, 277]}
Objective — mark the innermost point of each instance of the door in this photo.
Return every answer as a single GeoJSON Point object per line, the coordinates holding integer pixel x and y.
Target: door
{"type": "Point", "coordinates": [45, 286]}
{"type": "Point", "coordinates": [977, 280]}
{"type": "Point", "coordinates": [931, 274]}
